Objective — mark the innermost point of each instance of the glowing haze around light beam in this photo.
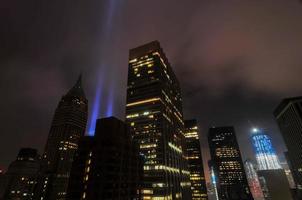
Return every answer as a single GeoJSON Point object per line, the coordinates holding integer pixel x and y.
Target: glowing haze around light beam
{"type": "Point", "coordinates": [95, 112]}
{"type": "Point", "coordinates": [109, 107]}
{"type": "Point", "coordinates": [111, 8]}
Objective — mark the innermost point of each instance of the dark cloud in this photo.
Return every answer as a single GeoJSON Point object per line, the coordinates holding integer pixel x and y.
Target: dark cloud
{"type": "Point", "coordinates": [235, 60]}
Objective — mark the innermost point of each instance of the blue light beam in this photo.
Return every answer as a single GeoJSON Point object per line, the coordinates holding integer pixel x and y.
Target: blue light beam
{"type": "Point", "coordinates": [111, 10]}
{"type": "Point", "coordinates": [95, 112]}
{"type": "Point", "coordinates": [109, 111]}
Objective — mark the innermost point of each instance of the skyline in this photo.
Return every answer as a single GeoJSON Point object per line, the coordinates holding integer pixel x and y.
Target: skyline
{"type": "Point", "coordinates": [24, 94]}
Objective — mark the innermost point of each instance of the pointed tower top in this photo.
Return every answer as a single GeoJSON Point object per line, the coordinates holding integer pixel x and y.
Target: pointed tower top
{"type": "Point", "coordinates": [79, 81]}
{"type": "Point", "coordinates": [77, 89]}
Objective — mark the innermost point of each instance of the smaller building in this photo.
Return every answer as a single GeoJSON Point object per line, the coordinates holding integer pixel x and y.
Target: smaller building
{"type": "Point", "coordinates": [253, 180]}
{"type": "Point", "coordinates": [20, 179]}
{"type": "Point", "coordinates": [195, 163]}
{"type": "Point", "coordinates": [227, 165]}
{"type": "Point", "coordinates": [106, 166]}
{"type": "Point", "coordinates": [288, 174]}
{"type": "Point", "coordinates": [276, 184]}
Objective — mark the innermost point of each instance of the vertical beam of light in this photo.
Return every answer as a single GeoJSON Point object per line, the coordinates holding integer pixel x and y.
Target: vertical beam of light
{"type": "Point", "coordinates": [95, 111]}
{"type": "Point", "coordinates": [109, 108]}
{"type": "Point", "coordinates": [109, 15]}
{"type": "Point", "coordinates": [111, 9]}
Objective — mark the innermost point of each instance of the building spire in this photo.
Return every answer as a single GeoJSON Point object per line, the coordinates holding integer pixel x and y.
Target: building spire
{"type": "Point", "coordinates": [79, 81]}
{"type": "Point", "coordinates": [77, 89]}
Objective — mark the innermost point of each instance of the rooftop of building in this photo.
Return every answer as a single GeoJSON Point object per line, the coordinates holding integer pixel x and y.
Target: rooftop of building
{"type": "Point", "coordinates": [111, 127]}
{"type": "Point", "coordinates": [285, 102]}
{"type": "Point", "coordinates": [77, 90]}
{"type": "Point", "coordinates": [145, 49]}
{"type": "Point", "coordinates": [190, 123]}
{"type": "Point", "coordinates": [150, 47]}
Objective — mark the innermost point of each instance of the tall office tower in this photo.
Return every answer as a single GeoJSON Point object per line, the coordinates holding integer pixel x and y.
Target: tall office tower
{"type": "Point", "coordinates": [253, 180]}
{"type": "Point", "coordinates": [269, 169]}
{"type": "Point", "coordinates": [68, 125]}
{"type": "Point", "coordinates": [20, 179]}
{"type": "Point", "coordinates": [197, 178]}
{"type": "Point", "coordinates": [227, 164]}
{"type": "Point", "coordinates": [265, 153]}
{"type": "Point", "coordinates": [289, 118]}
{"type": "Point", "coordinates": [154, 112]}
{"type": "Point", "coordinates": [108, 165]}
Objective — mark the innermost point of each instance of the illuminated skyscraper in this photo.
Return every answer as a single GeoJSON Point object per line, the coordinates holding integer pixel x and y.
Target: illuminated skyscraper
{"type": "Point", "coordinates": [289, 118]}
{"type": "Point", "coordinates": [68, 125]}
{"type": "Point", "coordinates": [106, 166]}
{"type": "Point", "coordinates": [198, 183]}
{"type": "Point", "coordinates": [154, 112]}
{"type": "Point", "coordinates": [253, 180]}
{"type": "Point", "coordinates": [20, 179]}
{"type": "Point", "coordinates": [227, 165]}
{"type": "Point", "coordinates": [272, 177]}
{"type": "Point", "coordinates": [265, 153]}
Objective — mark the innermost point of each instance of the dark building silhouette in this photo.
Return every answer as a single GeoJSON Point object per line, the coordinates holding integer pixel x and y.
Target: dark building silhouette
{"type": "Point", "coordinates": [227, 165]}
{"type": "Point", "coordinates": [287, 168]}
{"type": "Point", "coordinates": [288, 115]}
{"type": "Point", "coordinates": [20, 179]}
{"type": "Point", "coordinates": [154, 112]}
{"type": "Point", "coordinates": [276, 184]}
{"type": "Point", "coordinates": [68, 125]}
{"type": "Point", "coordinates": [296, 193]}
{"type": "Point", "coordinates": [195, 163]}
{"type": "Point", "coordinates": [108, 165]}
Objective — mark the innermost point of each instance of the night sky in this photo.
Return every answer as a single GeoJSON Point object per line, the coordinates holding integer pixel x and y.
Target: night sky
{"type": "Point", "coordinates": [235, 60]}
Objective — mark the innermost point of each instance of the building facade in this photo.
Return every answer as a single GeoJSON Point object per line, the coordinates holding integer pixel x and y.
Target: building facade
{"type": "Point", "coordinates": [275, 184]}
{"type": "Point", "coordinates": [68, 125]}
{"type": "Point", "coordinates": [288, 174]}
{"type": "Point", "coordinates": [265, 152]}
{"type": "Point", "coordinates": [253, 180]}
{"type": "Point", "coordinates": [195, 162]}
{"type": "Point", "coordinates": [227, 164]}
{"type": "Point", "coordinates": [20, 179]}
{"type": "Point", "coordinates": [108, 165]}
{"type": "Point", "coordinates": [154, 112]}
{"type": "Point", "coordinates": [272, 177]}
{"type": "Point", "coordinates": [288, 115]}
